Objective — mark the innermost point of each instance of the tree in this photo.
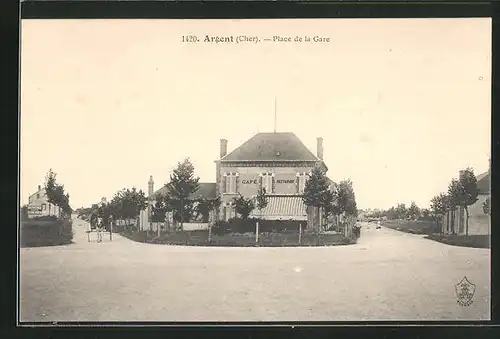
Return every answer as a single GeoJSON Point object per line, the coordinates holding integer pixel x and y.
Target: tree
{"type": "Point", "coordinates": [244, 206]}
{"type": "Point", "coordinates": [50, 188]}
{"type": "Point", "coordinates": [413, 211]}
{"type": "Point", "coordinates": [332, 206]}
{"type": "Point", "coordinates": [401, 211]}
{"type": "Point", "coordinates": [316, 191]}
{"type": "Point", "coordinates": [182, 184]}
{"type": "Point", "coordinates": [56, 195]}
{"type": "Point", "coordinates": [467, 193]}
{"type": "Point", "coordinates": [346, 199]}
{"type": "Point", "coordinates": [391, 213]}
{"type": "Point", "coordinates": [261, 200]}
{"type": "Point", "coordinates": [439, 205]}
{"type": "Point", "coordinates": [128, 203]}
{"type": "Point", "coordinates": [486, 206]}
{"type": "Point", "coordinates": [159, 209]}
{"type": "Point", "coordinates": [425, 214]}
{"type": "Point", "coordinates": [454, 199]}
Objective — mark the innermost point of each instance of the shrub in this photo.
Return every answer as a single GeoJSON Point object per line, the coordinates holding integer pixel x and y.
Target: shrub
{"type": "Point", "coordinates": [237, 225]}
{"type": "Point", "coordinates": [46, 231]}
{"type": "Point", "coordinates": [200, 238]}
{"type": "Point", "coordinates": [475, 241]}
{"type": "Point", "coordinates": [356, 230]}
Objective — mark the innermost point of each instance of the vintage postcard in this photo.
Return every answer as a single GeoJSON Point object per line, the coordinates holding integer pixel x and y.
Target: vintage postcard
{"type": "Point", "coordinates": [255, 170]}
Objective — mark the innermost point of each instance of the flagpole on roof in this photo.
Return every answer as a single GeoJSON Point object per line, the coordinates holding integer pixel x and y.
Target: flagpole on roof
{"type": "Point", "coordinates": [275, 117]}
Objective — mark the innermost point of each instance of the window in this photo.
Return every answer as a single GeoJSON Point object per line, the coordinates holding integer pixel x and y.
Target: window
{"type": "Point", "coordinates": [301, 182]}
{"type": "Point", "coordinates": [38, 195]}
{"type": "Point", "coordinates": [267, 181]}
{"type": "Point", "coordinates": [231, 182]}
{"type": "Point", "coordinates": [44, 207]}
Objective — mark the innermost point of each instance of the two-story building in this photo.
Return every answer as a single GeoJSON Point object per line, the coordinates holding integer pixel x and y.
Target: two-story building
{"type": "Point", "coordinates": [278, 162]}
{"type": "Point", "coordinates": [38, 204]}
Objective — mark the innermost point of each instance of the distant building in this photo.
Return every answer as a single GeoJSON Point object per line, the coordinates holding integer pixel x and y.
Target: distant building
{"type": "Point", "coordinates": [38, 204]}
{"type": "Point", "coordinates": [479, 222]}
{"type": "Point", "coordinates": [278, 162]}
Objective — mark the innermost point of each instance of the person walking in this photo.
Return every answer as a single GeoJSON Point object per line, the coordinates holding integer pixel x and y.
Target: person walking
{"type": "Point", "coordinates": [99, 229]}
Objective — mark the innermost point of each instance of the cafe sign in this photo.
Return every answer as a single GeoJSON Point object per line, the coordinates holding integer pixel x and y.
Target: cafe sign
{"type": "Point", "coordinates": [256, 181]}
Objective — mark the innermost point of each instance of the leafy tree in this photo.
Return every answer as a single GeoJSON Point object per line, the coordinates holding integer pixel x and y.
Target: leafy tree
{"type": "Point", "coordinates": [454, 199]}
{"type": "Point", "coordinates": [467, 193]}
{"type": "Point", "coordinates": [244, 206]}
{"type": "Point", "coordinates": [50, 187]}
{"type": "Point", "coordinates": [261, 200]}
{"type": "Point", "coordinates": [439, 206]}
{"type": "Point", "coordinates": [205, 206]}
{"type": "Point", "coordinates": [159, 209]}
{"type": "Point", "coordinates": [56, 195]}
{"type": "Point", "coordinates": [346, 198]}
{"type": "Point", "coordinates": [316, 191]}
{"type": "Point", "coordinates": [425, 214]}
{"type": "Point", "coordinates": [401, 211]}
{"type": "Point", "coordinates": [486, 206]}
{"type": "Point", "coordinates": [413, 211]}
{"type": "Point", "coordinates": [332, 206]}
{"type": "Point", "coordinates": [392, 213]}
{"type": "Point", "coordinates": [127, 204]}
{"type": "Point", "coordinates": [182, 184]}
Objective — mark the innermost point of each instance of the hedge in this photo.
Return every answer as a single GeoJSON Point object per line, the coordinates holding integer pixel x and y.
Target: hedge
{"type": "Point", "coordinates": [200, 238]}
{"type": "Point", "coordinates": [46, 231]}
{"type": "Point", "coordinates": [237, 225]}
{"type": "Point", "coordinates": [475, 241]}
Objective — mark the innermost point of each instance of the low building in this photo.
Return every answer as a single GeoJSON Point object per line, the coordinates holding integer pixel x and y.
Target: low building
{"type": "Point", "coordinates": [479, 222]}
{"type": "Point", "coordinates": [38, 204]}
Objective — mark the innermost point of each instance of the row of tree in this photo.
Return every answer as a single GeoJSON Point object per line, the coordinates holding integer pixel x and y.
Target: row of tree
{"type": "Point", "coordinates": [462, 192]}
{"type": "Point", "coordinates": [127, 203]}
{"type": "Point", "coordinates": [402, 212]}
{"type": "Point", "coordinates": [332, 198]}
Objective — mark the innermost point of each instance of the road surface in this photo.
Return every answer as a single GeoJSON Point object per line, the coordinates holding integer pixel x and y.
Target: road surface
{"type": "Point", "coordinates": [387, 275]}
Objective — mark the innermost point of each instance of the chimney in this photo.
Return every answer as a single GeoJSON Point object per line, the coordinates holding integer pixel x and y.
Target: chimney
{"type": "Point", "coordinates": [39, 187]}
{"type": "Point", "coordinates": [320, 148]}
{"type": "Point", "coordinates": [223, 147]}
{"type": "Point", "coordinates": [151, 184]}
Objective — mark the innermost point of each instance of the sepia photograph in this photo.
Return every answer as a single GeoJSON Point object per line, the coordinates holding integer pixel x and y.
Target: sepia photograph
{"type": "Point", "coordinates": [264, 170]}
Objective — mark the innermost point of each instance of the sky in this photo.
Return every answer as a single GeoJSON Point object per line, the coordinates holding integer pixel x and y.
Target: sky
{"type": "Point", "coordinates": [402, 104]}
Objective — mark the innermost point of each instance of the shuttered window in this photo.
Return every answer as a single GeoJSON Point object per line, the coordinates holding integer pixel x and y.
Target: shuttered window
{"type": "Point", "coordinates": [301, 182]}
{"type": "Point", "coordinates": [267, 181]}
{"type": "Point", "coordinates": [231, 182]}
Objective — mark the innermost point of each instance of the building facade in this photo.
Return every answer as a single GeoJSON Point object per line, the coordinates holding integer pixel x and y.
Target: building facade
{"type": "Point", "coordinates": [278, 162]}
{"type": "Point", "coordinates": [479, 222]}
{"type": "Point", "coordinates": [38, 204]}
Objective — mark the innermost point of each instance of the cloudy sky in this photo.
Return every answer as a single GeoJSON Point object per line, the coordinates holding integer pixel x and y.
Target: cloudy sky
{"type": "Point", "coordinates": [402, 104]}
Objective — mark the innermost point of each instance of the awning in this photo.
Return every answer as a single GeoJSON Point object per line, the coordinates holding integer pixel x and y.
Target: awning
{"type": "Point", "coordinates": [282, 207]}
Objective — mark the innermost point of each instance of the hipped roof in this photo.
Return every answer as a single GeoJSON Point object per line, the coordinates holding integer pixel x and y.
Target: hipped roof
{"type": "Point", "coordinates": [272, 147]}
